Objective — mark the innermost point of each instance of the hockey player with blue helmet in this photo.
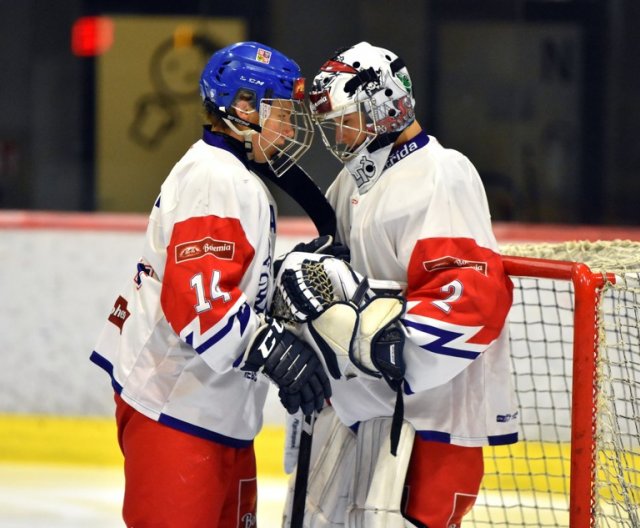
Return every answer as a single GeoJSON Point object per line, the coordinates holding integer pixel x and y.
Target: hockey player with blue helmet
{"type": "Point", "coordinates": [188, 344]}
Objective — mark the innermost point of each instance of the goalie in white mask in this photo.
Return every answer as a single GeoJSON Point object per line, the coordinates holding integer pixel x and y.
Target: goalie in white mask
{"type": "Point", "coordinates": [416, 220]}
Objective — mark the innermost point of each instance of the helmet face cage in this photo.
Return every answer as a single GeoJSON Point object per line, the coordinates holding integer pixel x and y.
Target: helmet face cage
{"type": "Point", "coordinates": [275, 81]}
{"type": "Point", "coordinates": [359, 95]}
{"type": "Point", "coordinates": [287, 132]}
{"type": "Point", "coordinates": [347, 131]}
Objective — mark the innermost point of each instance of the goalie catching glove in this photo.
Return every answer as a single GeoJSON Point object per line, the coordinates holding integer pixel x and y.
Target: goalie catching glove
{"type": "Point", "coordinates": [291, 364]}
{"type": "Point", "coordinates": [349, 324]}
{"type": "Point", "coordinates": [324, 245]}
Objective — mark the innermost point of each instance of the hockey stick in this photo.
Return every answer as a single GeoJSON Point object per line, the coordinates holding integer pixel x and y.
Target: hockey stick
{"type": "Point", "coordinates": [302, 472]}
{"type": "Point", "coordinates": [304, 191]}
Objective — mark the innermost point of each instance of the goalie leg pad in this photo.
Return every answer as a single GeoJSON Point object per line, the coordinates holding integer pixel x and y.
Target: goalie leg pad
{"type": "Point", "coordinates": [330, 475]}
{"type": "Point", "coordinates": [376, 494]}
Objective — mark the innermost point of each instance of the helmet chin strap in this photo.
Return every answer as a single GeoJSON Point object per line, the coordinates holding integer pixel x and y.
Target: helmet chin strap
{"type": "Point", "coordinates": [367, 166]}
{"type": "Point", "coordinates": [231, 121]}
{"type": "Point", "coordinates": [246, 137]}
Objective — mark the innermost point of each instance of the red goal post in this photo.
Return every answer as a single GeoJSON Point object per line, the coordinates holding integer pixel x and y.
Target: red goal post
{"type": "Point", "coordinates": [575, 338]}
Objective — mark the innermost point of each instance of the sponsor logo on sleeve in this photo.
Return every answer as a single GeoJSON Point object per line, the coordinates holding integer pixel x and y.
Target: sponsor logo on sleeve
{"type": "Point", "coordinates": [196, 249]}
{"type": "Point", "coordinates": [449, 262]}
{"type": "Point", "coordinates": [119, 314]}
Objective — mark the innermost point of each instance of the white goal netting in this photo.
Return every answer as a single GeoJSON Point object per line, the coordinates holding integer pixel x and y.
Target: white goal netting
{"type": "Point", "coordinates": [529, 483]}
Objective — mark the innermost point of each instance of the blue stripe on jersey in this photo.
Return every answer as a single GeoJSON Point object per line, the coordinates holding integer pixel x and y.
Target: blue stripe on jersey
{"type": "Point", "coordinates": [503, 439]}
{"type": "Point", "coordinates": [213, 339]}
{"type": "Point", "coordinates": [439, 346]}
{"type": "Point", "coordinates": [242, 315]}
{"type": "Point", "coordinates": [200, 432]}
{"type": "Point", "coordinates": [495, 440]}
{"type": "Point", "coordinates": [435, 436]}
{"type": "Point", "coordinates": [103, 363]}
{"type": "Point", "coordinates": [106, 365]}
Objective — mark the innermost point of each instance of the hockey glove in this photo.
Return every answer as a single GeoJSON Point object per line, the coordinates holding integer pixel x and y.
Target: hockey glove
{"type": "Point", "coordinates": [291, 364]}
{"type": "Point", "coordinates": [370, 338]}
{"type": "Point", "coordinates": [309, 285]}
{"type": "Point", "coordinates": [380, 341]}
{"type": "Point", "coordinates": [320, 245]}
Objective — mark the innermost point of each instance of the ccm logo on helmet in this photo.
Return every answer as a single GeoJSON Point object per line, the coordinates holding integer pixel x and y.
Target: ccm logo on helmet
{"type": "Point", "coordinates": [207, 246]}
{"type": "Point", "coordinates": [251, 80]}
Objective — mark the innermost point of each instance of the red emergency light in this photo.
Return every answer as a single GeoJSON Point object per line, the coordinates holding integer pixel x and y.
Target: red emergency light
{"type": "Point", "coordinates": [91, 36]}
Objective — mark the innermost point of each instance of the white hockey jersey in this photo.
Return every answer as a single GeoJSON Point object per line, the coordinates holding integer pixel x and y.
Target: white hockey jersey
{"type": "Point", "coordinates": [426, 225]}
{"type": "Point", "coordinates": [180, 326]}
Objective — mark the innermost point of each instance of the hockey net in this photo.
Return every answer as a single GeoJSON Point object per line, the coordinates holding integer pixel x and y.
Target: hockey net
{"type": "Point", "coordinates": [575, 339]}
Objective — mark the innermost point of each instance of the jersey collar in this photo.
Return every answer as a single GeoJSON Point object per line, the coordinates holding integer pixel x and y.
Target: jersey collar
{"type": "Point", "coordinates": [399, 152]}
{"type": "Point", "coordinates": [225, 142]}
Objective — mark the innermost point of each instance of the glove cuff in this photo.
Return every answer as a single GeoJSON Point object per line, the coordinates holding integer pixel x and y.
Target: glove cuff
{"type": "Point", "coordinates": [255, 354]}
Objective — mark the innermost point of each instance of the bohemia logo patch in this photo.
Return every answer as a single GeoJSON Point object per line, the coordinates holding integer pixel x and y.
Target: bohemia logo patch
{"type": "Point", "coordinates": [207, 246]}
{"type": "Point", "coordinates": [119, 314]}
{"type": "Point", "coordinates": [454, 262]}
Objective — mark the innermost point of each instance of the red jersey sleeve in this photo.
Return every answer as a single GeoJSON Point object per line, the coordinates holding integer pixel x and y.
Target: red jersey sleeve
{"type": "Point", "coordinates": [207, 257]}
{"type": "Point", "coordinates": [458, 298]}
{"type": "Point", "coordinates": [457, 291]}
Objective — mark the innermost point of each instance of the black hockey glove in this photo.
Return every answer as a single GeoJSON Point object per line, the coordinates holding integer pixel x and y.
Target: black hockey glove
{"type": "Point", "coordinates": [322, 244]}
{"type": "Point", "coordinates": [291, 364]}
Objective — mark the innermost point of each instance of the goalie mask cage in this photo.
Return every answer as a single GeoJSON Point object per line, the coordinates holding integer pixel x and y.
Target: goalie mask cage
{"type": "Point", "coordinates": [575, 344]}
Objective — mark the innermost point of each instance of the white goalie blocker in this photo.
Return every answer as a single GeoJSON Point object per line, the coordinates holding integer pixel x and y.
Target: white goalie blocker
{"type": "Point", "coordinates": [336, 310]}
{"type": "Point", "coordinates": [354, 480]}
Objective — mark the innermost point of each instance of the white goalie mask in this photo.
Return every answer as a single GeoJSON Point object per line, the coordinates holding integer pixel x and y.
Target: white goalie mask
{"type": "Point", "coordinates": [361, 100]}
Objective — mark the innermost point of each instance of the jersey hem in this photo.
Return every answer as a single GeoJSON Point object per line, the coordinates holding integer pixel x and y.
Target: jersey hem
{"type": "Point", "coordinates": [446, 438]}
{"type": "Point", "coordinates": [170, 421]}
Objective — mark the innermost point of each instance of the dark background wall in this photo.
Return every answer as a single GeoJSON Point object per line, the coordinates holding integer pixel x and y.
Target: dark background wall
{"type": "Point", "coordinates": [543, 96]}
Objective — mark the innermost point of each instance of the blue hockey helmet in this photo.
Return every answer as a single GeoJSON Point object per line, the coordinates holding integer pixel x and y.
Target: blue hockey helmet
{"type": "Point", "coordinates": [269, 76]}
{"type": "Point", "coordinates": [250, 66]}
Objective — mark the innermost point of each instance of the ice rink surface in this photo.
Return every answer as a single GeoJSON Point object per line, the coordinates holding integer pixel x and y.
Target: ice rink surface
{"type": "Point", "coordinates": [56, 496]}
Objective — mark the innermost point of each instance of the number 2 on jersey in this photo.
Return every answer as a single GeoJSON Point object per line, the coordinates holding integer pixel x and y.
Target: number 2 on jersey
{"type": "Point", "coordinates": [197, 283]}
{"type": "Point", "coordinates": [454, 288]}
